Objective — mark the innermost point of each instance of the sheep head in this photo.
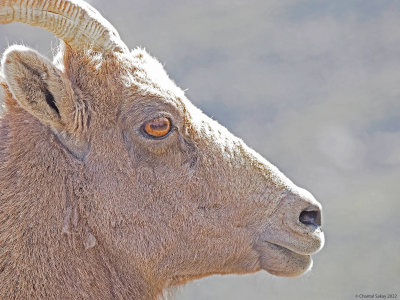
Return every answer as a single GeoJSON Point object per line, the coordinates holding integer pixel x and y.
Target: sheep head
{"type": "Point", "coordinates": [169, 192]}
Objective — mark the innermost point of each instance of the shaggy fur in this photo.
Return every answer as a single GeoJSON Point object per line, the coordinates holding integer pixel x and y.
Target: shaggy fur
{"type": "Point", "coordinates": [91, 208]}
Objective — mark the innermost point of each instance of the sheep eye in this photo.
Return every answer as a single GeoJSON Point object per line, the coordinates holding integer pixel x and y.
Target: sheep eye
{"type": "Point", "coordinates": [158, 127]}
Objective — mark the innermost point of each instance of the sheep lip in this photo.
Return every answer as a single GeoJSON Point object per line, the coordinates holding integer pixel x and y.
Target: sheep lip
{"type": "Point", "coordinates": [282, 247]}
{"type": "Point", "coordinates": [301, 245]}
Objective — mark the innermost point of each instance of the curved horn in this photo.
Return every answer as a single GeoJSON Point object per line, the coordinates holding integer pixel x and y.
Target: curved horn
{"type": "Point", "coordinates": [74, 21]}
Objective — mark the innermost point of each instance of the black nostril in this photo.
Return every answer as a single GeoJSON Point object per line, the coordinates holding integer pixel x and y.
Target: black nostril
{"type": "Point", "coordinates": [311, 217]}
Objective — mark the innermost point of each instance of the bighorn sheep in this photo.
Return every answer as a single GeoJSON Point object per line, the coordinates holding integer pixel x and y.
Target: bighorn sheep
{"type": "Point", "coordinates": [113, 185]}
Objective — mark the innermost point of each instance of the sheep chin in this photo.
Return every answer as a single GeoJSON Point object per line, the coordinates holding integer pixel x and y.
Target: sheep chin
{"type": "Point", "coordinates": [281, 261]}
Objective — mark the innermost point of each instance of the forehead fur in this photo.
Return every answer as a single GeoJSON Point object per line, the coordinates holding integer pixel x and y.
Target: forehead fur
{"type": "Point", "coordinates": [120, 78]}
{"type": "Point", "coordinates": [149, 77]}
{"type": "Point", "coordinates": [145, 77]}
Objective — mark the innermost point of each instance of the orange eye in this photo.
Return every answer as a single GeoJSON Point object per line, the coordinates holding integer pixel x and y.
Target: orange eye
{"type": "Point", "coordinates": [158, 127]}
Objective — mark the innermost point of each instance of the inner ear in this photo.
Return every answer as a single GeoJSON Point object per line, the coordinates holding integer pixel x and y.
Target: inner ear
{"type": "Point", "coordinates": [39, 87]}
{"type": "Point", "coordinates": [50, 101]}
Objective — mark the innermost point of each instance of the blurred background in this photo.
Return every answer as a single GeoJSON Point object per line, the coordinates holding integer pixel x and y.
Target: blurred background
{"type": "Point", "coordinates": [320, 80]}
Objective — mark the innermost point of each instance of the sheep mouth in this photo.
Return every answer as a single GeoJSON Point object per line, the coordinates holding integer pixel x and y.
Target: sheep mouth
{"type": "Point", "coordinates": [281, 261]}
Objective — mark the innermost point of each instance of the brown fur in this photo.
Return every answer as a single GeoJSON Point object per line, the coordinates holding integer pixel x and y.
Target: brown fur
{"type": "Point", "coordinates": [91, 208]}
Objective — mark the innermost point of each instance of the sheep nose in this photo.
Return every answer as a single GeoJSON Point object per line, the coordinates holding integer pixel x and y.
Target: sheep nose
{"type": "Point", "coordinates": [311, 216]}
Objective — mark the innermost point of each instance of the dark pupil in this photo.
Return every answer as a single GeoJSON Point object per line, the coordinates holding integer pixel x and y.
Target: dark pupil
{"type": "Point", "coordinates": [158, 126]}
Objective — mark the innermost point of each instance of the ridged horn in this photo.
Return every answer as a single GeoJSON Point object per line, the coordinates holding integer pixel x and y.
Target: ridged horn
{"type": "Point", "coordinates": [75, 22]}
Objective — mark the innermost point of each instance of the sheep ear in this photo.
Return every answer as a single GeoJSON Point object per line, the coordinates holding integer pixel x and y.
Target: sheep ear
{"type": "Point", "coordinates": [40, 88]}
